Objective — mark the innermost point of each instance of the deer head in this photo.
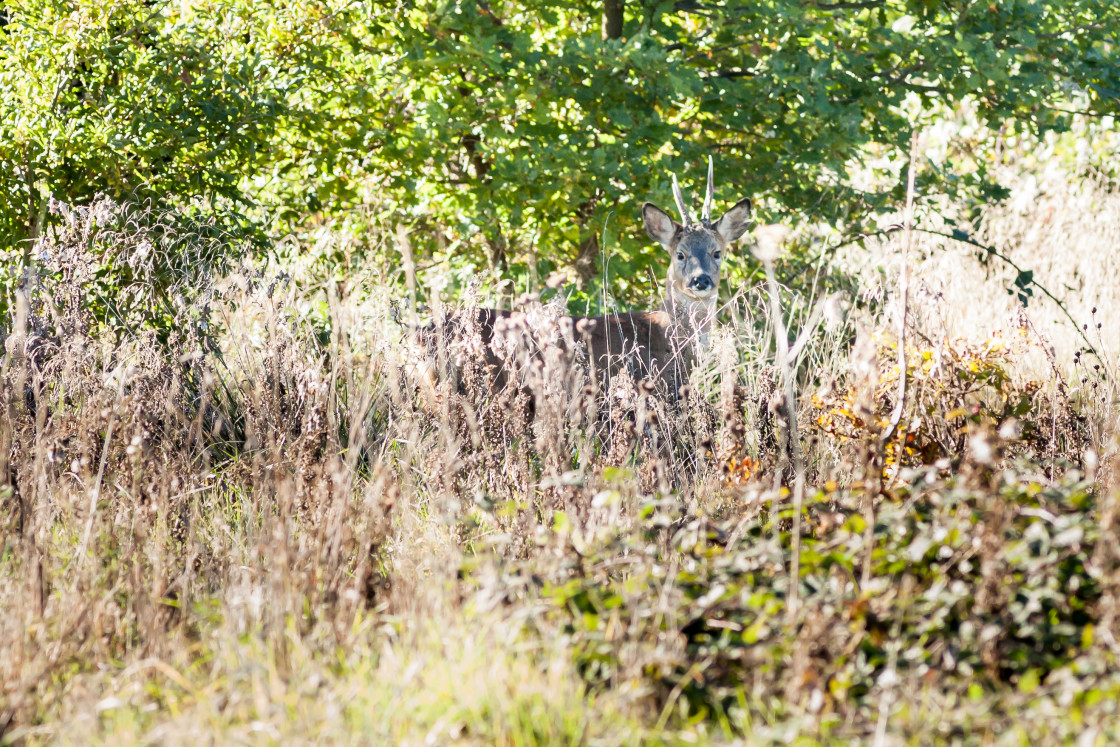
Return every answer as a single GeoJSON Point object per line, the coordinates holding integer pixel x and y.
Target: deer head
{"type": "Point", "coordinates": [696, 248]}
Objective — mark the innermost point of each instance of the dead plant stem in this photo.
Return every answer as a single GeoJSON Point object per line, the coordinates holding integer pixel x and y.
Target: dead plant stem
{"type": "Point", "coordinates": [786, 369]}
{"type": "Point", "coordinates": [96, 491]}
{"type": "Point", "coordinates": [904, 295]}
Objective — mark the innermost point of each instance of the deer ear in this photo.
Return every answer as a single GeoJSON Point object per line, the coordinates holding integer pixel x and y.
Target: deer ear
{"type": "Point", "coordinates": [735, 221]}
{"type": "Point", "coordinates": [660, 227]}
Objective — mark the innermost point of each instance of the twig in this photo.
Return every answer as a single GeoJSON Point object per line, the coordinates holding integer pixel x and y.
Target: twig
{"type": "Point", "coordinates": [964, 238]}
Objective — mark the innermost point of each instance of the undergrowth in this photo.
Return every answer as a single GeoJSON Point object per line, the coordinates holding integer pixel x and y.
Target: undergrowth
{"type": "Point", "coordinates": [240, 510]}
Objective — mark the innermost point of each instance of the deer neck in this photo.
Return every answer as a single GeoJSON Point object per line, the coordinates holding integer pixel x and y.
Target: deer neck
{"type": "Point", "coordinates": [690, 318]}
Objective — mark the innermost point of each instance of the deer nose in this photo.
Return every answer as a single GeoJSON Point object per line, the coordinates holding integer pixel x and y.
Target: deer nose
{"type": "Point", "coordinates": [700, 283]}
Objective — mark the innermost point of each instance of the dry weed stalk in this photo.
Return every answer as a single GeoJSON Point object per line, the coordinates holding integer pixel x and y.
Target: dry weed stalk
{"type": "Point", "coordinates": [276, 496]}
{"type": "Point", "coordinates": [770, 239]}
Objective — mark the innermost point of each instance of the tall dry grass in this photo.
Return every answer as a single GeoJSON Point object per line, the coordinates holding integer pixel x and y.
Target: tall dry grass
{"type": "Point", "coordinates": [230, 473]}
{"type": "Point", "coordinates": [240, 515]}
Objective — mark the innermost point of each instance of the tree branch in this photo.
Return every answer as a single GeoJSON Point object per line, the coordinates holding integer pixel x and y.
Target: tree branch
{"type": "Point", "coordinates": [964, 238]}
{"type": "Point", "coordinates": [847, 5]}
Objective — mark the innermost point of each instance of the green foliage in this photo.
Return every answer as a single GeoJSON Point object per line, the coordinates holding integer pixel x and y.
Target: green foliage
{"type": "Point", "coordinates": [512, 134]}
{"type": "Point", "coordinates": [972, 591]}
{"type": "Point", "coordinates": [519, 123]}
{"type": "Point", "coordinates": [201, 102]}
{"type": "Point", "coordinates": [316, 553]}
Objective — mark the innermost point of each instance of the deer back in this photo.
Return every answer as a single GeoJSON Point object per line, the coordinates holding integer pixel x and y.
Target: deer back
{"type": "Point", "coordinates": [656, 345]}
{"type": "Point", "coordinates": [640, 344]}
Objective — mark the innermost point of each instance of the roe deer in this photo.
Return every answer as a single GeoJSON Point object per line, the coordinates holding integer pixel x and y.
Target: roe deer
{"type": "Point", "coordinates": [658, 345]}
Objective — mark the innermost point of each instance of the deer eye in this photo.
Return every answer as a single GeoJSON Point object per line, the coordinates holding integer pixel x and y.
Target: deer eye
{"type": "Point", "coordinates": [680, 256]}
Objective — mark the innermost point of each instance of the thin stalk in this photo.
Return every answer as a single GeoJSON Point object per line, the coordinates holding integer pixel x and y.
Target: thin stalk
{"type": "Point", "coordinates": [404, 246]}
{"type": "Point", "coordinates": [904, 295]}
{"type": "Point", "coordinates": [95, 492]}
{"type": "Point", "coordinates": [786, 370]}
{"type": "Point", "coordinates": [873, 470]}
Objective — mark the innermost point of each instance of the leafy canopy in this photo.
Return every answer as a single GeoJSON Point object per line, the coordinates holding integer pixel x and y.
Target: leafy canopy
{"type": "Point", "coordinates": [513, 132]}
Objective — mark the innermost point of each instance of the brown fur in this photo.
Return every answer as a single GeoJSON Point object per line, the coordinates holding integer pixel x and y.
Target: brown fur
{"type": "Point", "coordinates": [658, 346]}
{"type": "Point", "coordinates": [642, 343]}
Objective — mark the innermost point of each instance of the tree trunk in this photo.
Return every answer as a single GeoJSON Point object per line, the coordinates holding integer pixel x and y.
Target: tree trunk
{"type": "Point", "coordinates": [498, 248]}
{"type": "Point", "coordinates": [612, 19]}
{"type": "Point", "coordinates": [496, 243]}
{"type": "Point", "coordinates": [586, 264]}
{"type": "Point", "coordinates": [587, 255]}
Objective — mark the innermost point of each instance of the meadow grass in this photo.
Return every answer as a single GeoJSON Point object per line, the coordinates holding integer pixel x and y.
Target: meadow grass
{"type": "Point", "coordinates": [233, 512]}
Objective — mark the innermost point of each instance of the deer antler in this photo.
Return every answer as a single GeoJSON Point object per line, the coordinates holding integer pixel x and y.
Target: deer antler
{"type": "Point", "coordinates": [685, 221]}
{"type": "Point", "coordinates": [710, 198]}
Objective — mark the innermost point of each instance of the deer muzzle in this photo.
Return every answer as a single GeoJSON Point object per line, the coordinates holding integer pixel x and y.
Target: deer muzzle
{"type": "Point", "coordinates": [701, 283]}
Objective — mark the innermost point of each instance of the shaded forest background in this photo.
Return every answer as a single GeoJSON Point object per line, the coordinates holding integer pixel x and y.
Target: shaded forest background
{"type": "Point", "coordinates": [518, 139]}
